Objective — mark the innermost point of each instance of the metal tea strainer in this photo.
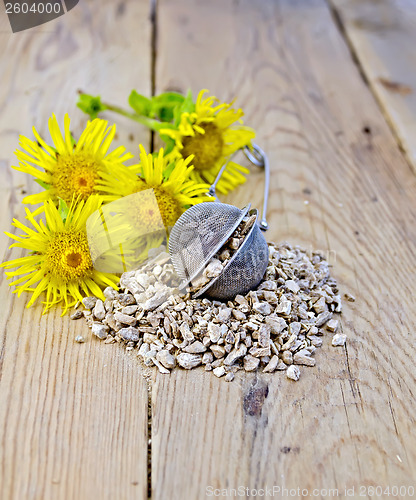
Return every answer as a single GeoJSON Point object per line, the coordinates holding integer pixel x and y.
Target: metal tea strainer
{"type": "Point", "coordinates": [203, 229]}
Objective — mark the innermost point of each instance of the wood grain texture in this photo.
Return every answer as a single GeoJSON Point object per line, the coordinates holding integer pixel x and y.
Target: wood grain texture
{"type": "Point", "coordinates": [73, 417]}
{"type": "Point", "coordinates": [348, 421]}
{"type": "Point", "coordinates": [382, 36]}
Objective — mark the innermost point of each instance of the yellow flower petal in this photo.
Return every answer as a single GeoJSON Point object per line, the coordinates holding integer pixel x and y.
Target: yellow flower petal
{"type": "Point", "coordinates": [170, 180]}
{"type": "Point", "coordinates": [70, 170]}
{"type": "Point", "coordinates": [62, 265]}
{"type": "Point", "coordinates": [212, 134]}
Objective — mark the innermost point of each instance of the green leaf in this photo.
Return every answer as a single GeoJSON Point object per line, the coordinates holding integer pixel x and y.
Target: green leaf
{"type": "Point", "coordinates": [165, 114]}
{"type": "Point", "coordinates": [43, 184]}
{"type": "Point", "coordinates": [141, 104]}
{"type": "Point", "coordinates": [169, 143]}
{"type": "Point", "coordinates": [187, 106]}
{"type": "Point", "coordinates": [91, 105]}
{"type": "Point", "coordinates": [169, 97]}
{"type": "Point", "coordinates": [169, 170]}
{"type": "Point", "coordinates": [63, 209]}
{"type": "Point", "coordinates": [163, 105]}
{"type": "Point", "coordinates": [73, 140]}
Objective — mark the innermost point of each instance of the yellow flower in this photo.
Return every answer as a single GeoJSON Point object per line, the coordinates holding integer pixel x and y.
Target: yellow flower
{"type": "Point", "coordinates": [60, 262]}
{"type": "Point", "coordinates": [172, 188]}
{"type": "Point", "coordinates": [121, 234]}
{"type": "Point", "coordinates": [210, 134]}
{"type": "Point", "coordinates": [67, 169]}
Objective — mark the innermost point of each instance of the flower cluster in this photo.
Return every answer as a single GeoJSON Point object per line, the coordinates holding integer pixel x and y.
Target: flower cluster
{"type": "Point", "coordinates": [79, 177]}
{"type": "Point", "coordinates": [210, 130]}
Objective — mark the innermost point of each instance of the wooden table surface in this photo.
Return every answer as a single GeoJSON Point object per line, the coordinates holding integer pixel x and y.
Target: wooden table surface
{"type": "Point", "coordinates": [79, 421]}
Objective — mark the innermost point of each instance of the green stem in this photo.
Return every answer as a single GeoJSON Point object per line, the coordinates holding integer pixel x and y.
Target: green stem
{"type": "Point", "coordinates": [144, 120]}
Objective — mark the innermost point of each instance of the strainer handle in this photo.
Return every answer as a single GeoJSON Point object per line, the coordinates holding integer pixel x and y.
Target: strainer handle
{"type": "Point", "coordinates": [259, 158]}
{"type": "Point", "coordinates": [211, 191]}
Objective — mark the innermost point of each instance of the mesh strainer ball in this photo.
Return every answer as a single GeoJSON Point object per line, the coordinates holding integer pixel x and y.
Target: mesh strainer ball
{"type": "Point", "coordinates": [199, 234]}
{"type": "Point", "coordinates": [203, 229]}
{"type": "Point", "coordinates": [245, 269]}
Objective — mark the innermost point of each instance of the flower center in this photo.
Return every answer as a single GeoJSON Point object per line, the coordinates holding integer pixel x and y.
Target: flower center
{"type": "Point", "coordinates": [68, 256]}
{"type": "Point", "coordinates": [74, 259]}
{"type": "Point", "coordinates": [75, 174]}
{"type": "Point", "coordinates": [147, 215]}
{"type": "Point", "coordinates": [170, 209]}
{"type": "Point", "coordinates": [207, 147]}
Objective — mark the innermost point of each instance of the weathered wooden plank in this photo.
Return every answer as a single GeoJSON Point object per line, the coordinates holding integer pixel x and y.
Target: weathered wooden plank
{"type": "Point", "coordinates": [382, 35]}
{"type": "Point", "coordinates": [73, 417]}
{"type": "Point", "coordinates": [347, 422]}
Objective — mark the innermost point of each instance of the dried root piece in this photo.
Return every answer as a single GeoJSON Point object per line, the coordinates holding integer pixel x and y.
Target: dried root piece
{"type": "Point", "coordinates": [217, 263]}
{"type": "Point", "coordinates": [276, 328]}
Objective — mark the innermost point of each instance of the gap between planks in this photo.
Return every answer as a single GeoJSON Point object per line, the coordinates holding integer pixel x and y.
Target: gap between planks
{"type": "Point", "coordinates": [153, 57]}
{"type": "Point", "coordinates": [341, 25]}
{"type": "Point", "coordinates": [315, 139]}
{"type": "Point", "coordinates": [73, 414]}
